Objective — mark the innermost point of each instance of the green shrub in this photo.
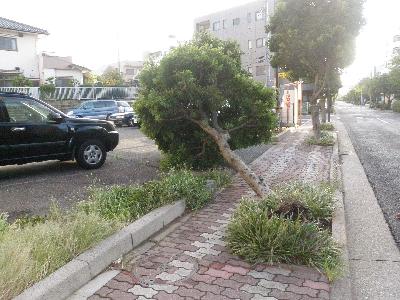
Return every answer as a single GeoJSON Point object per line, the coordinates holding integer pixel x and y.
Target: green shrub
{"type": "Point", "coordinates": [311, 203]}
{"type": "Point", "coordinates": [327, 127]}
{"type": "Point", "coordinates": [287, 227]}
{"type": "Point", "coordinates": [30, 253]}
{"type": "Point", "coordinates": [396, 106]}
{"type": "Point", "coordinates": [131, 202]}
{"type": "Point", "coordinates": [326, 139]}
{"type": "Point", "coordinates": [3, 223]}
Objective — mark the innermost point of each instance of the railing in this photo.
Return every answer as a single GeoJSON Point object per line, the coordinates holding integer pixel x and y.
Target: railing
{"type": "Point", "coordinates": [77, 93]}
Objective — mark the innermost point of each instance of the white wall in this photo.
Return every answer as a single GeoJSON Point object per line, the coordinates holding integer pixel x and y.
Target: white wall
{"type": "Point", "coordinates": [76, 74]}
{"type": "Point", "coordinates": [25, 58]}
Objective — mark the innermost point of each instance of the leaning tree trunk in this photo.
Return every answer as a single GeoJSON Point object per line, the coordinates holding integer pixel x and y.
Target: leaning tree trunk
{"type": "Point", "coordinates": [221, 139]}
{"type": "Point", "coordinates": [322, 104]}
{"type": "Point", "coordinates": [315, 118]}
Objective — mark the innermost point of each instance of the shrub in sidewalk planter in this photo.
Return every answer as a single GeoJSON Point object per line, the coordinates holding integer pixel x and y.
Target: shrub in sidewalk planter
{"type": "Point", "coordinates": [327, 127]}
{"type": "Point", "coordinates": [128, 203]}
{"type": "Point", "coordinates": [33, 247]}
{"type": "Point", "coordinates": [287, 227]}
{"type": "Point", "coordinates": [327, 139]}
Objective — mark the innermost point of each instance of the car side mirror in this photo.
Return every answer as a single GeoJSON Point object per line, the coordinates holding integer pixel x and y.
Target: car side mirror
{"type": "Point", "coordinates": [55, 117]}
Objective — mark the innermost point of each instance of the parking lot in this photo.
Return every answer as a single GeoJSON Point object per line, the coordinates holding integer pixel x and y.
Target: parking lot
{"type": "Point", "coordinates": [30, 189]}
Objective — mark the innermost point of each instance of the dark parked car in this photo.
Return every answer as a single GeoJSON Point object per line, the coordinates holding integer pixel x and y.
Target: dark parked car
{"type": "Point", "coordinates": [33, 131]}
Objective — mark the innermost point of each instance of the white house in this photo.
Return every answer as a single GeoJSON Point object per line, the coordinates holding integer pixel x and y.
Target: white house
{"type": "Point", "coordinates": [62, 69]}
{"type": "Point", "coordinates": [18, 51]}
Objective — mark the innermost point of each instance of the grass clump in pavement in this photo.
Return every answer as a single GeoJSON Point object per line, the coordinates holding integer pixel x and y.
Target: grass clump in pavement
{"type": "Point", "coordinates": [396, 106]}
{"type": "Point", "coordinates": [327, 139]}
{"type": "Point", "coordinates": [289, 226]}
{"type": "Point", "coordinates": [128, 203]}
{"type": "Point", "coordinates": [33, 247]}
{"type": "Point", "coordinates": [327, 127]}
{"type": "Point", "coordinates": [31, 252]}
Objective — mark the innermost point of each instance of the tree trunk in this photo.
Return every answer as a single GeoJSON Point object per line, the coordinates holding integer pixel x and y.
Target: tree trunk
{"type": "Point", "coordinates": [233, 159]}
{"type": "Point", "coordinates": [315, 118]}
{"type": "Point", "coordinates": [322, 104]}
{"type": "Point", "coordinates": [329, 105]}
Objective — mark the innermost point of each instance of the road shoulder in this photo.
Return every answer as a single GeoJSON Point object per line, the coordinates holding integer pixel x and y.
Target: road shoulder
{"type": "Point", "coordinates": [374, 258]}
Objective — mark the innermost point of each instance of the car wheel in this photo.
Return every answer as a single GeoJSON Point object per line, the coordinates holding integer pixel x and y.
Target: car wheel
{"type": "Point", "coordinates": [91, 154]}
{"type": "Point", "coordinates": [118, 124]}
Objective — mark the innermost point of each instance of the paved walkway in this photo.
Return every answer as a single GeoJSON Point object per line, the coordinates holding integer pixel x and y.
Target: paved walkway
{"type": "Point", "coordinates": [192, 262]}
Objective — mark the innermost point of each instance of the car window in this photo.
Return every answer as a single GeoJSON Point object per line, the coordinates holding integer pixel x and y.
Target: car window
{"type": "Point", "coordinates": [26, 111]}
{"type": "Point", "coordinates": [124, 104]}
{"type": "Point", "coordinates": [109, 103]}
{"type": "Point", "coordinates": [87, 105]}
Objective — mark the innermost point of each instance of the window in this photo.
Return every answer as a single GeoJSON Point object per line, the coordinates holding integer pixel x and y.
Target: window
{"type": "Point", "coordinates": [236, 21]}
{"type": "Point", "coordinates": [203, 26]}
{"type": "Point", "coordinates": [396, 38]}
{"type": "Point", "coordinates": [27, 111]}
{"type": "Point", "coordinates": [250, 44]}
{"type": "Point", "coordinates": [224, 24]}
{"type": "Point", "coordinates": [216, 26]}
{"type": "Point", "coordinates": [259, 43]}
{"type": "Point", "coordinates": [248, 17]}
{"type": "Point", "coordinates": [7, 43]}
{"type": "Point", "coordinates": [261, 70]}
{"type": "Point", "coordinates": [260, 15]}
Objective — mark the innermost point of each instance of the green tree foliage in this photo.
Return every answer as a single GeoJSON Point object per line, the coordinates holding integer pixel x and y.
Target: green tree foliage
{"type": "Point", "coordinates": [198, 105]}
{"type": "Point", "coordinates": [21, 80]}
{"type": "Point", "coordinates": [47, 88]}
{"type": "Point", "coordinates": [311, 39]}
{"type": "Point", "coordinates": [111, 77]}
{"type": "Point", "coordinates": [383, 86]}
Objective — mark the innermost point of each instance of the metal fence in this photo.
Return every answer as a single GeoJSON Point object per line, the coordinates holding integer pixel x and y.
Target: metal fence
{"type": "Point", "coordinates": [77, 93]}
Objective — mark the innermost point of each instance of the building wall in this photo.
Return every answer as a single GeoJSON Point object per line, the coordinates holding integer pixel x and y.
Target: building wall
{"type": "Point", "coordinates": [25, 57]}
{"type": "Point", "coordinates": [255, 59]}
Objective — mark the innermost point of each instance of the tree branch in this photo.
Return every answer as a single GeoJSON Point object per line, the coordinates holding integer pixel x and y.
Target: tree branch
{"type": "Point", "coordinates": [244, 125]}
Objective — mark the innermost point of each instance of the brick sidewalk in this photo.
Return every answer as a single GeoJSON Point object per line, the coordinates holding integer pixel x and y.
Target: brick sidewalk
{"type": "Point", "coordinates": [192, 261]}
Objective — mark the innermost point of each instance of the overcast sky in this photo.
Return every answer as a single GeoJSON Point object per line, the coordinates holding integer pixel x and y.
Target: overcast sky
{"type": "Point", "coordinates": [91, 30]}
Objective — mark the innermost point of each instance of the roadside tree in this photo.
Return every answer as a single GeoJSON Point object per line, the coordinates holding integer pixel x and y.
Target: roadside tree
{"type": "Point", "coordinates": [310, 39]}
{"type": "Point", "coordinates": [199, 104]}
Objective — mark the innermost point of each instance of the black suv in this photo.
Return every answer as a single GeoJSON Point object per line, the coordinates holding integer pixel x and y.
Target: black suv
{"type": "Point", "coordinates": [33, 131]}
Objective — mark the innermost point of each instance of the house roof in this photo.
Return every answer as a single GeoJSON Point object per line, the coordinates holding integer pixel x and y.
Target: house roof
{"type": "Point", "coordinates": [16, 26]}
{"type": "Point", "coordinates": [61, 63]}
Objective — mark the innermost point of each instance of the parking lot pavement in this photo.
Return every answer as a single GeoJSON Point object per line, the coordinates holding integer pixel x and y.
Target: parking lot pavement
{"type": "Point", "coordinates": [31, 188]}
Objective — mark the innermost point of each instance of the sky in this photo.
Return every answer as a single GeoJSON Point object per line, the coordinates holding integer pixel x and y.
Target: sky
{"type": "Point", "coordinates": [92, 31]}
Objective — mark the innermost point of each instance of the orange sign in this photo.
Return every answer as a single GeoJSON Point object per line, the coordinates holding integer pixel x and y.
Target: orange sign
{"type": "Point", "coordinates": [288, 100]}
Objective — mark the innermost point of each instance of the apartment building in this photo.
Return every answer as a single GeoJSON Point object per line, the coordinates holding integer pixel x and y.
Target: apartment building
{"type": "Point", "coordinates": [246, 25]}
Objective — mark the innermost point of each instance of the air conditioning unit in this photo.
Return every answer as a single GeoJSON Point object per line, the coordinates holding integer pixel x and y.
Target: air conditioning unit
{"type": "Point", "coordinates": [17, 69]}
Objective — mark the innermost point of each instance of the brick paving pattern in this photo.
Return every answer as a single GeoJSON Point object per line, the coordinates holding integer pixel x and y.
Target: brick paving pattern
{"type": "Point", "coordinates": [192, 261]}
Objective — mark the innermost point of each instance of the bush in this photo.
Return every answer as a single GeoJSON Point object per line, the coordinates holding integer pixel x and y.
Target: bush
{"type": "Point", "coordinates": [396, 106]}
{"type": "Point", "coordinates": [30, 253]}
{"type": "Point", "coordinates": [327, 127]}
{"type": "Point", "coordinates": [197, 82]}
{"type": "Point", "coordinates": [287, 227]}
{"type": "Point", "coordinates": [307, 202]}
{"type": "Point", "coordinates": [131, 202]}
{"type": "Point", "coordinates": [326, 139]}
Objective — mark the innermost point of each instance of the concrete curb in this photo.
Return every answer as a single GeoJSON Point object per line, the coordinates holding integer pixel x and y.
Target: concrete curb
{"type": "Point", "coordinates": [69, 278]}
{"type": "Point", "coordinates": [340, 289]}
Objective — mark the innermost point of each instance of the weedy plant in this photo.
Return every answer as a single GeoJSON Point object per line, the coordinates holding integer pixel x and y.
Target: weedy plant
{"type": "Point", "coordinates": [292, 225]}
{"type": "Point", "coordinates": [326, 139]}
{"type": "Point", "coordinates": [327, 127]}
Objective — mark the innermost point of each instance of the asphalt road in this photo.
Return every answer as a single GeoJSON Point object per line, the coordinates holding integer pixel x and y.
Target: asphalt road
{"type": "Point", "coordinates": [30, 189]}
{"type": "Point", "coordinates": [376, 138]}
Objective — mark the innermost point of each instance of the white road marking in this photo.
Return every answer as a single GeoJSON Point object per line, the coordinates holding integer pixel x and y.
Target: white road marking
{"type": "Point", "coordinates": [383, 121]}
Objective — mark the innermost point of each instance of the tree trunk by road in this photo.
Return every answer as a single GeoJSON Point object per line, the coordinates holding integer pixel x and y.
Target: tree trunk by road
{"type": "Point", "coordinates": [315, 118]}
{"type": "Point", "coordinates": [329, 105]}
{"type": "Point", "coordinates": [221, 139]}
{"type": "Point", "coordinates": [322, 104]}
